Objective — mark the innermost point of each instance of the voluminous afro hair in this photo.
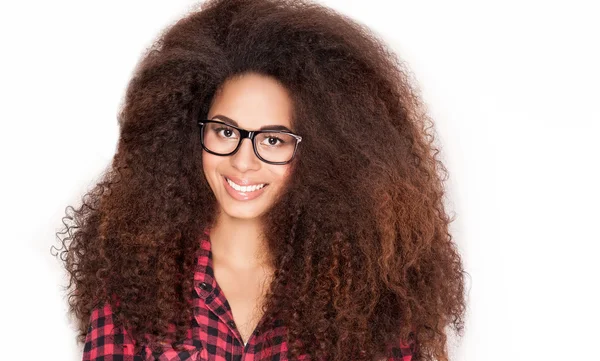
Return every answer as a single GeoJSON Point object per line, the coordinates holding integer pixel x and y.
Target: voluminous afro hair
{"type": "Point", "coordinates": [360, 236]}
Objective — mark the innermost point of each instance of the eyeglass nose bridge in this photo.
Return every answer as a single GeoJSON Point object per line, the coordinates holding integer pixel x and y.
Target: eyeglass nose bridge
{"type": "Point", "coordinates": [250, 134]}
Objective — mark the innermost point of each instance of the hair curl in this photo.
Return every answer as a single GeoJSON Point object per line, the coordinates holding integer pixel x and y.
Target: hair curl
{"type": "Point", "coordinates": [360, 236]}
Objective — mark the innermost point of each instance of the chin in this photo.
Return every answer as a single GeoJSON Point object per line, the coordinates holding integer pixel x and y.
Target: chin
{"type": "Point", "coordinates": [239, 212]}
{"type": "Point", "coordinates": [244, 216]}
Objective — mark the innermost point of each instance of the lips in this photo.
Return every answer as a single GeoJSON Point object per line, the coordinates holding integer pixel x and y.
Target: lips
{"type": "Point", "coordinates": [244, 182]}
{"type": "Point", "coordinates": [245, 189]}
{"type": "Point", "coordinates": [242, 196]}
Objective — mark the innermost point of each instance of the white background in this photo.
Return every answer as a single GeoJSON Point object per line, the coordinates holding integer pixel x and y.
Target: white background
{"type": "Point", "coordinates": [513, 87]}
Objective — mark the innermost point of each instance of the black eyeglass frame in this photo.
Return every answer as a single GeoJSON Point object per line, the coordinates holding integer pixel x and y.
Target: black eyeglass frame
{"type": "Point", "coordinates": [250, 134]}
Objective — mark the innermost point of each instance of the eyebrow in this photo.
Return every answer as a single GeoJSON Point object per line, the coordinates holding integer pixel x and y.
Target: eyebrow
{"type": "Point", "coordinates": [264, 127]}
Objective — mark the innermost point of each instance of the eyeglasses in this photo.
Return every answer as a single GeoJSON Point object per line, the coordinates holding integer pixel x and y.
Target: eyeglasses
{"type": "Point", "coordinates": [270, 146]}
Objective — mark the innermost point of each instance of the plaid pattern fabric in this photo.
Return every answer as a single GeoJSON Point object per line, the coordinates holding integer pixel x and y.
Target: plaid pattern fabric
{"type": "Point", "coordinates": [212, 336]}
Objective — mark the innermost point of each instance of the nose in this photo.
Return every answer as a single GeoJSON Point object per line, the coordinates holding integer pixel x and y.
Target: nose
{"type": "Point", "coordinates": [245, 159]}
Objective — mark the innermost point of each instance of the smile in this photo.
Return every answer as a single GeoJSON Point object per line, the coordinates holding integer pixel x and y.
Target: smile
{"type": "Point", "coordinates": [245, 189]}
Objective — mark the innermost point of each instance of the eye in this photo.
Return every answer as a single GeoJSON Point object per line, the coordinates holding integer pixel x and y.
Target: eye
{"type": "Point", "coordinates": [273, 141]}
{"type": "Point", "coordinates": [226, 132]}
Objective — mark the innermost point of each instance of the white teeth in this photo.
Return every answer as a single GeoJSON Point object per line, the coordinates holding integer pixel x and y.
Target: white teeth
{"type": "Point", "coordinates": [245, 188]}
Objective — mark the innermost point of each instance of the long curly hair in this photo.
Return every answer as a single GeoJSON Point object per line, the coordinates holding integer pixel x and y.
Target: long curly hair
{"type": "Point", "coordinates": [360, 235]}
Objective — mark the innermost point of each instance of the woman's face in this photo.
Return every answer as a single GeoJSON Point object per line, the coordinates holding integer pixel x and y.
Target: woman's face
{"type": "Point", "coordinates": [251, 101]}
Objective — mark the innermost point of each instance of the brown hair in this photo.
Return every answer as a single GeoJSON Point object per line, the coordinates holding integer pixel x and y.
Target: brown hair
{"type": "Point", "coordinates": [360, 235]}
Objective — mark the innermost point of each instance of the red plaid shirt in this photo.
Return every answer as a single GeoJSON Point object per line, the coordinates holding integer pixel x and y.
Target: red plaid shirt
{"type": "Point", "coordinates": [212, 336]}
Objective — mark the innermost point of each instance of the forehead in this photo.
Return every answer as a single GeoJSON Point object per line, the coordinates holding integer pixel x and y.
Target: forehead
{"type": "Point", "coordinates": [253, 101]}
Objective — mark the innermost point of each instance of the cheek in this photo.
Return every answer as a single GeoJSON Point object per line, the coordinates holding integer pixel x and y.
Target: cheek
{"type": "Point", "coordinates": [281, 173]}
{"type": "Point", "coordinates": [209, 164]}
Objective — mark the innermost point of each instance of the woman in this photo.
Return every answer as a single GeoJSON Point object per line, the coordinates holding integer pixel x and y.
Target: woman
{"type": "Point", "coordinates": [322, 236]}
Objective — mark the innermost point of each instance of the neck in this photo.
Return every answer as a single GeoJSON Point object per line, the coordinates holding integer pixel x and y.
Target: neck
{"type": "Point", "coordinates": [238, 243]}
